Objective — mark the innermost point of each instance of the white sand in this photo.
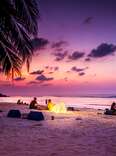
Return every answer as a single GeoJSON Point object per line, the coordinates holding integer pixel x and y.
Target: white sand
{"type": "Point", "coordinates": [81, 133]}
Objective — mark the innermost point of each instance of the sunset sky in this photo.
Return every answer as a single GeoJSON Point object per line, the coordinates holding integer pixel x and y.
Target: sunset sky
{"type": "Point", "coordinates": [75, 52]}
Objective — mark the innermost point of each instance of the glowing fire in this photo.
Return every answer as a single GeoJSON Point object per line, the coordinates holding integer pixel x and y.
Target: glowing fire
{"type": "Point", "coordinates": [58, 108]}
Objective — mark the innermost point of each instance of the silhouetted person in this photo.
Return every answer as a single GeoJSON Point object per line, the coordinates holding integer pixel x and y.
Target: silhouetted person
{"type": "Point", "coordinates": [46, 101]}
{"type": "Point", "coordinates": [33, 104]}
{"type": "Point", "coordinates": [113, 106]}
{"type": "Point", "coordinates": [19, 102]}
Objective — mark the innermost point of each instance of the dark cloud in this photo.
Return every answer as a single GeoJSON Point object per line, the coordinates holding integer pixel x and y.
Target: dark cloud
{"type": "Point", "coordinates": [59, 49]}
{"type": "Point", "coordinates": [19, 78]}
{"type": "Point", "coordinates": [88, 59]}
{"type": "Point", "coordinates": [68, 71]}
{"type": "Point", "coordinates": [58, 45]}
{"type": "Point", "coordinates": [88, 20]}
{"type": "Point", "coordinates": [56, 68]}
{"type": "Point", "coordinates": [60, 56]}
{"type": "Point", "coordinates": [78, 69]}
{"type": "Point", "coordinates": [103, 50]}
{"type": "Point", "coordinates": [39, 43]}
{"type": "Point", "coordinates": [81, 73]}
{"type": "Point", "coordinates": [46, 84]}
{"type": "Point", "coordinates": [43, 78]}
{"type": "Point", "coordinates": [50, 72]}
{"type": "Point", "coordinates": [76, 55]}
{"type": "Point", "coordinates": [46, 67]}
{"type": "Point", "coordinates": [37, 72]}
{"type": "Point", "coordinates": [32, 82]}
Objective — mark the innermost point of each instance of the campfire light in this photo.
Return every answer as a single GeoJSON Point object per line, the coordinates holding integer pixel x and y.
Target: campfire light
{"type": "Point", "coordinates": [59, 108]}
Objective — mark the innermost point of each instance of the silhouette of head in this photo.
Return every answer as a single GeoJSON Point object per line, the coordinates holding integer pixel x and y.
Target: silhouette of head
{"type": "Point", "coordinates": [113, 103]}
{"type": "Point", "coordinates": [49, 100]}
{"type": "Point", "coordinates": [35, 98]}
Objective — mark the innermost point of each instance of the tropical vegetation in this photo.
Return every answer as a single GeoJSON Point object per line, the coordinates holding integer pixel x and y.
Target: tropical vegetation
{"type": "Point", "coordinates": [18, 25]}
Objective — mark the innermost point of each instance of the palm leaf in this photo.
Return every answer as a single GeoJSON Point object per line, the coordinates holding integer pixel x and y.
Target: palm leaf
{"type": "Point", "coordinates": [28, 17]}
{"type": "Point", "coordinates": [9, 58]}
{"type": "Point", "coordinates": [18, 22]}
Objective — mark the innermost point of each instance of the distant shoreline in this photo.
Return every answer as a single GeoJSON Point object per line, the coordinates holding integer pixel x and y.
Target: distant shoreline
{"type": "Point", "coordinates": [84, 96]}
{"type": "Point", "coordinates": [3, 95]}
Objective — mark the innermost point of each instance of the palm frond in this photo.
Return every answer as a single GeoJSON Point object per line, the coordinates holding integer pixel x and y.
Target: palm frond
{"type": "Point", "coordinates": [18, 22]}
{"type": "Point", "coordinates": [27, 14]}
{"type": "Point", "coordinates": [9, 58]}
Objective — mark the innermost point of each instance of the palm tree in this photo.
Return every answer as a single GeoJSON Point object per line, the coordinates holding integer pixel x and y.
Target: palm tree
{"type": "Point", "coordinates": [18, 24]}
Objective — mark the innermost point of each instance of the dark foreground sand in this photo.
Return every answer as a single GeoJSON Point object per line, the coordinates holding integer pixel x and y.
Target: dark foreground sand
{"type": "Point", "coordinates": [80, 133]}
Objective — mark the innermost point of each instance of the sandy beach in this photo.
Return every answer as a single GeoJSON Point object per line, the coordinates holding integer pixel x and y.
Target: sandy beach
{"type": "Point", "coordinates": [82, 133]}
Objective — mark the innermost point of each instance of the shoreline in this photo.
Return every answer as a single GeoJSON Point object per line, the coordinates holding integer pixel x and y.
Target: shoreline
{"type": "Point", "coordinates": [76, 108]}
{"type": "Point", "coordinates": [77, 102]}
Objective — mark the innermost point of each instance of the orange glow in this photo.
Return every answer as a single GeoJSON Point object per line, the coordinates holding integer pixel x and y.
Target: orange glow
{"type": "Point", "coordinates": [57, 108]}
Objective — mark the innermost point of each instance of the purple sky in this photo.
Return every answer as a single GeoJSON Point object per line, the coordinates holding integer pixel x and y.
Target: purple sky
{"type": "Point", "coordinates": [75, 52]}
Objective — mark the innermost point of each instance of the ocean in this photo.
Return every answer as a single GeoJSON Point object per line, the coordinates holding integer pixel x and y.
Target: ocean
{"type": "Point", "coordinates": [78, 102]}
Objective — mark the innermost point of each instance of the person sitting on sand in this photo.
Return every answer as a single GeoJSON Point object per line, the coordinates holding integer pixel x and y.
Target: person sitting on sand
{"type": "Point", "coordinates": [33, 104]}
{"type": "Point", "coordinates": [50, 105]}
{"type": "Point", "coordinates": [113, 106]}
{"type": "Point", "coordinates": [46, 101]}
{"type": "Point", "coordinates": [19, 102]}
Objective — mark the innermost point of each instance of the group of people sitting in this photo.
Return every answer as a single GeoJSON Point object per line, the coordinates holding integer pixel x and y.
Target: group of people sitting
{"type": "Point", "coordinates": [34, 104]}
{"type": "Point", "coordinates": [58, 108]}
{"type": "Point", "coordinates": [19, 102]}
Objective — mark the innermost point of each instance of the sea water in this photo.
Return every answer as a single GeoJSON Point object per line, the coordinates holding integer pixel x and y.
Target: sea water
{"type": "Point", "coordinates": [77, 102]}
